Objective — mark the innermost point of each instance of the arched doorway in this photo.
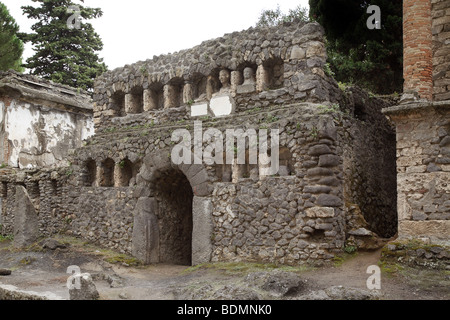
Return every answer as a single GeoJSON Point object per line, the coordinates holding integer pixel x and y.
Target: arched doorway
{"type": "Point", "coordinates": [173, 215]}
{"type": "Point", "coordinates": [174, 195]}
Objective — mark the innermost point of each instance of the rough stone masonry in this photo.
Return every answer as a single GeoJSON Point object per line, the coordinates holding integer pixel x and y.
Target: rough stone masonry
{"type": "Point", "coordinates": [337, 180]}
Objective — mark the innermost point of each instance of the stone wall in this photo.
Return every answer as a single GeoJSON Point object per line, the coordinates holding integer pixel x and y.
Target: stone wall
{"type": "Point", "coordinates": [123, 189]}
{"type": "Point", "coordinates": [441, 49]}
{"type": "Point", "coordinates": [370, 162]}
{"type": "Point", "coordinates": [282, 65]}
{"type": "Point", "coordinates": [296, 216]}
{"type": "Point", "coordinates": [423, 140]}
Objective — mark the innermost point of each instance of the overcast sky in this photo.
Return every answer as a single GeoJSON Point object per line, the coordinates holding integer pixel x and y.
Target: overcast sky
{"type": "Point", "coordinates": [134, 30]}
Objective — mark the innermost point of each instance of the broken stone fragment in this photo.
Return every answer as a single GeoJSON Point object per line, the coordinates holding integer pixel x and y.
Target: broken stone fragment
{"type": "Point", "coordinates": [361, 232]}
{"type": "Point", "coordinates": [86, 289]}
{"type": "Point", "coordinates": [53, 244]}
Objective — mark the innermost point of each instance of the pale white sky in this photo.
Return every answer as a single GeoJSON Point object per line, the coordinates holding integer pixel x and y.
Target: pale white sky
{"type": "Point", "coordinates": [135, 30]}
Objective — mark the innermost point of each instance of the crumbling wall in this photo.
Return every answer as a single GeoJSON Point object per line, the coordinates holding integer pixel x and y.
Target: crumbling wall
{"type": "Point", "coordinates": [36, 136]}
{"type": "Point", "coordinates": [40, 121]}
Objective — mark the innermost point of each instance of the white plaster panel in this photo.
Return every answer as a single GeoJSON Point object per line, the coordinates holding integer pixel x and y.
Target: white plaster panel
{"type": "Point", "coordinates": [200, 109]}
{"type": "Point", "coordinates": [41, 136]}
{"type": "Point", "coordinates": [222, 105]}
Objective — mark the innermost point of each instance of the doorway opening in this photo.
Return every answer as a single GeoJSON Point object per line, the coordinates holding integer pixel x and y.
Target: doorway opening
{"type": "Point", "coordinates": [174, 195]}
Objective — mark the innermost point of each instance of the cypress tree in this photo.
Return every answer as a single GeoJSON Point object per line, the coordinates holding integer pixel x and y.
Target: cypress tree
{"type": "Point", "coordinates": [66, 46]}
{"type": "Point", "coordinates": [11, 47]}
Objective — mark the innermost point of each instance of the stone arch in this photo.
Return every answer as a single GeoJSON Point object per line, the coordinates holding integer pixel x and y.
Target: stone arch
{"type": "Point", "coordinates": [164, 190]}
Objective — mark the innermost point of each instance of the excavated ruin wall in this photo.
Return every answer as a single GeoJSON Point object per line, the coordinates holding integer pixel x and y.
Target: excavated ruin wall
{"type": "Point", "coordinates": [287, 65]}
{"type": "Point", "coordinates": [123, 191]}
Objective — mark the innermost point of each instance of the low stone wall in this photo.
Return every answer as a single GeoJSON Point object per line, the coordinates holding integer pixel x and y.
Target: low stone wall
{"type": "Point", "coordinates": [417, 253]}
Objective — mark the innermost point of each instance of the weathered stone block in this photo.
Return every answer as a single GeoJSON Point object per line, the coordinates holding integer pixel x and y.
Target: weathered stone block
{"type": "Point", "coordinates": [26, 224]}
{"type": "Point", "coordinates": [319, 149]}
{"type": "Point", "coordinates": [145, 238]}
{"type": "Point", "coordinates": [328, 200]}
{"type": "Point", "coordinates": [202, 247]}
{"type": "Point", "coordinates": [320, 212]}
{"type": "Point", "coordinates": [86, 290]}
{"type": "Point", "coordinates": [329, 160]}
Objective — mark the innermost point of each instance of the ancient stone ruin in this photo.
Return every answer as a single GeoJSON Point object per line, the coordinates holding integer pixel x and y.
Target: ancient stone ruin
{"type": "Point", "coordinates": [336, 183]}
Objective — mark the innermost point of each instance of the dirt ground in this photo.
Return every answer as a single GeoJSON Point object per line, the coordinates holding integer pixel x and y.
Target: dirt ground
{"type": "Point", "coordinates": [44, 270]}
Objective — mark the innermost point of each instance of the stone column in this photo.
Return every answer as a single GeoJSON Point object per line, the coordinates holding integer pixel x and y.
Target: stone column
{"type": "Point", "coordinates": [441, 49]}
{"type": "Point", "coordinates": [26, 224]}
{"type": "Point", "coordinates": [132, 104]}
{"type": "Point", "coordinates": [202, 247]}
{"type": "Point", "coordinates": [236, 80]}
{"type": "Point", "coordinates": [129, 103]}
{"type": "Point", "coordinates": [188, 93]}
{"type": "Point", "coordinates": [145, 239]}
{"type": "Point", "coordinates": [418, 57]}
{"type": "Point", "coordinates": [262, 79]}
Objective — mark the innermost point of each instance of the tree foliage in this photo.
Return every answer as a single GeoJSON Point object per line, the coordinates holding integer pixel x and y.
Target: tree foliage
{"type": "Point", "coordinates": [11, 47]}
{"type": "Point", "coordinates": [64, 54]}
{"type": "Point", "coordinates": [271, 18]}
{"type": "Point", "coordinates": [371, 58]}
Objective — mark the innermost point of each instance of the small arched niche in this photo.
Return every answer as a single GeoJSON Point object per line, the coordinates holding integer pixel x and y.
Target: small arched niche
{"type": "Point", "coordinates": [107, 173]}
{"type": "Point", "coordinates": [125, 173]}
{"type": "Point", "coordinates": [270, 75]}
{"type": "Point", "coordinates": [154, 97]}
{"type": "Point", "coordinates": [90, 173]}
{"type": "Point", "coordinates": [135, 101]}
{"type": "Point", "coordinates": [117, 103]}
{"type": "Point", "coordinates": [199, 84]}
{"type": "Point", "coordinates": [286, 163]}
